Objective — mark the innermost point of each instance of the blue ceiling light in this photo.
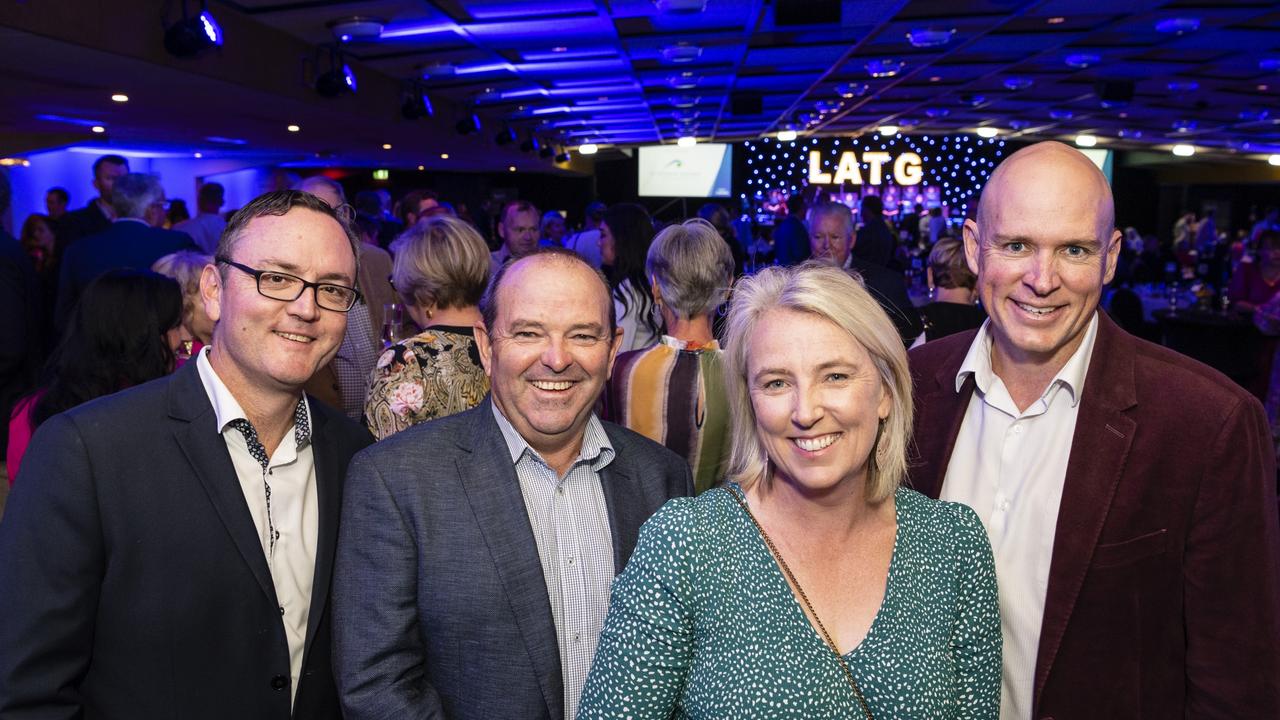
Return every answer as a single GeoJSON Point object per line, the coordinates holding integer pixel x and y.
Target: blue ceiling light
{"type": "Point", "coordinates": [680, 7]}
{"type": "Point", "coordinates": [470, 123]}
{"type": "Point", "coordinates": [1129, 133]}
{"type": "Point", "coordinates": [1083, 60]}
{"type": "Point", "coordinates": [358, 28]}
{"type": "Point", "coordinates": [193, 35]}
{"type": "Point", "coordinates": [681, 52]}
{"type": "Point", "coordinates": [1061, 114]}
{"type": "Point", "coordinates": [1254, 114]}
{"type": "Point", "coordinates": [338, 79]}
{"type": "Point", "coordinates": [930, 37]}
{"type": "Point", "coordinates": [415, 103]}
{"type": "Point", "coordinates": [826, 106]}
{"type": "Point", "coordinates": [1018, 82]}
{"type": "Point", "coordinates": [1178, 25]}
{"type": "Point", "coordinates": [883, 68]}
{"type": "Point", "coordinates": [1019, 124]}
{"type": "Point", "coordinates": [1185, 126]}
{"type": "Point", "coordinates": [1183, 86]}
{"type": "Point", "coordinates": [683, 81]}
{"type": "Point", "coordinates": [852, 90]}
{"type": "Point", "coordinates": [937, 112]}
{"type": "Point", "coordinates": [683, 101]}
{"type": "Point", "coordinates": [1269, 64]}
{"type": "Point", "coordinates": [435, 71]}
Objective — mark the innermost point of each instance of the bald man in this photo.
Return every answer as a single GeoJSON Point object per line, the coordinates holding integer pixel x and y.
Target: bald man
{"type": "Point", "coordinates": [1129, 492]}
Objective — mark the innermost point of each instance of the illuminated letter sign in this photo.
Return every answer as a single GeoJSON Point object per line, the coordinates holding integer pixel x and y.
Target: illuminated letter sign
{"type": "Point", "coordinates": [907, 168]}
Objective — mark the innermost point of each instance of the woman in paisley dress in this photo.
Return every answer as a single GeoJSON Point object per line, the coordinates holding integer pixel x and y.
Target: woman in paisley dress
{"type": "Point", "coordinates": [441, 270]}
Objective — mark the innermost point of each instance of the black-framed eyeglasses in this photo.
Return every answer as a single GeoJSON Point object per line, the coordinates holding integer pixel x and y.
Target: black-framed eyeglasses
{"type": "Point", "coordinates": [287, 288]}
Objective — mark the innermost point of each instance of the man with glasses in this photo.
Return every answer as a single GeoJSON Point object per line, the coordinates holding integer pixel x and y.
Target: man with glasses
{"type": "Point", "coordinates": [477, 550]}
{"type": "Point", "coordinates": [169, 549]}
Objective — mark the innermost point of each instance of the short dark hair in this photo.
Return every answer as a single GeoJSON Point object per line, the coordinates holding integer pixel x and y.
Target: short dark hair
{"type": "Point", "coordinates": [411, 201]}
{"type": "Point", "coordinates": [113, 159]}
{"type": "Point", "coordinates": [210, 192]}
{"type": "Point", "coordinates": [872, 205]}
{"type": "Point", "coordinates": [280, 202]}
{"type": "Point", "coordinates": [60, 192]}
{"type": "Point", "coordinates": [489, 301]}
{"type": "Point", "coordinates": [520, 206]}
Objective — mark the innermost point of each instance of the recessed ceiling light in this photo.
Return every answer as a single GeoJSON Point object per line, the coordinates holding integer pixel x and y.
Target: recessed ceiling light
{"type": "Point", "coordinates": [386, 146]}
{"type": "Point", "coordinates": [681, 53]}
{"type": "Point", "coordinates": [849, 90]}
{"type": "Point", "coordinates": [422, 167]}
{"type": "Point", "coordinates": [199, 155]}
{"type": "Point", "coordinates": [686, 141]}
{"type": "Point", "coordinates": [1086, 140]}
{"type": "Point", "coordinates": [98, 129]}
{"type": "Point", "coordinates": [930, 37]}
{"type": "Point", "coordinates": [1184, 150]}
{"type": "Point", "coordinates": [1083, 60]}
{"type": "Point", "coordinates": [559, 49]}
{"type": "Point", "coordinates": [1178, 25]}
{"type": "Point", "coordinates": [511, 168]}
{"type": "Point", "coordinates": [1057, 20]}
{"type": "Point", "coordinates": [1263, 88]}
{"type": "Point", "coordinates": [887, 130]}
{"type": "Point", "coordinates": [120, 97]}
{"type": "Point", "coordinates": [935, 78]}
{"type": "Point", "coordinates": [293, 128]}
{"type": "Point", "coordinates": [587, 149]}
{"type": "Point", "coordinates": [887, 67]}
{"type": "Point", "coordinates": [786, 135]}
{"type": "Point", "coordinates": [444, 156]}
{"type": "Point", "coordinates": [1274, 160]}
{"type": "Point", "coordinates": [1017, 83]}
{"type": "Point", "coordinates": [987, 131]}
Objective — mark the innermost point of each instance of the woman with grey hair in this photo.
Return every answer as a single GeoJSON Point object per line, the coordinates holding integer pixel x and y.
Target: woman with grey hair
{"type": "Point", "coordinates": [814, 585]}
{"type": "Point", "coordinates": [441, 270]}
{"type": "Point", "coordinates": [673, 392]}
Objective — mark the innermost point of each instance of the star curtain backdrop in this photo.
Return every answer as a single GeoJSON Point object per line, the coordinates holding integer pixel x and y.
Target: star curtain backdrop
{"type": "Point", "coordinates": [933, 170]}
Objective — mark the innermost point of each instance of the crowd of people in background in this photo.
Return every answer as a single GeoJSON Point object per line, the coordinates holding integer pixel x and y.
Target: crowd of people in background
{"type": "Point", "coordinates": [493, 417]}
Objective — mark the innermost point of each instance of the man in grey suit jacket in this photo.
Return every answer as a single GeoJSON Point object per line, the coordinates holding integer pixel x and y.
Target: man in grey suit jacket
{"type": "Point", "coordinates": [477, 551]}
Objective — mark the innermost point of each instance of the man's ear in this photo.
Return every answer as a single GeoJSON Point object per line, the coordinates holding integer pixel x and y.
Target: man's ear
{"type": "Point", "coordinates": [211, 292]}
{"type": "Point", "coordinates": [1113, 255]}
{"type": "Point", "coordinates": [614, 347]}
{"type": "Point", "coordinates": [484, 344]}
{"type": "Point", "coordinates": [970, 234]}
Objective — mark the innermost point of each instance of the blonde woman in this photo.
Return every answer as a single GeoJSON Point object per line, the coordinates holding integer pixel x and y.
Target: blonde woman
{"type": "Point", "coordinates": [814, 585]}
{"type": "Point", "coordinates": [441, 270]}
{"type": "Point", "coordinates": [185, 266]}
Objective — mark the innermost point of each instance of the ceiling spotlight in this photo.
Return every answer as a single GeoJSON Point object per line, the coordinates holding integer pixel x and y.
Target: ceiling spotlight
{"type": "Point", "coordinates": [530, 144]}
{"type": "Point", "coordinates": [987, 131]}
{"type": "Point", "coordinates": [1178, 25]}
{"type": "Point", "coordinates": [1056, 20]}
{"type": "Point", "coordinates": [468, 124]}
{"type": "Point", "coordinates": [888, 67]}
{"type": "Point", "coordinates": [338, 79]}
{"type": "Point", "coordinates": [1269, 64]}
{"type": "Point", "coordinates": [686, 141]}
{"type": "Point", "coordinates": [198, 155]}
{"type": "Point", "coordinates": [973, 99]}
{"type": "Point", "coordinates": [887, 130]}
{"type": "Point", "coordinates": [1083, 60]}
{"type": "Point", "coordinates": [1129, 133]}
{"type": "Point", "coordinates": [293, 128]}
{"type": "Point", "coordinates": [826, 106]}
{"type": "Point", "coordinates": [1184, 150]}
{"type": "Point", "coordinates": [386, 146]}
{"type": "Point", "coordinates": [1086, 140]}
{"type": "Point", "coordinates": [422, 167]}
{"type": "Point", "coordinates": [1254, 114]}
{"type": "Point", "coordinates": [546, 151]}
{"type": "Point", "coordinates": [356, 29]}
{"type": "Point", "coordinates": [1181, 86]}
{"type": "Point", "coordinates": [850, 90]}
{"type": "Point", "coordinates": [588, 149]}
{"type": "Point", "coordinates": [937, 112]}
{"type": "Point", "coordinates": [1018, 83]}
{"type": "Point", "coordinates": [444, 156]}
{"type": "Point", "coordinates": [1185, 126]}
{"type": "Point", "coordinates": [192, 35]}
{"type": "Point", "coordinates": [416, 104]}
{"type": "Point", "coordinates": [683, 81]}
{"type": "Point", "coordinates": [681, 53]}
{"type": "Point", "coordinates": [120, 98]}
{"type": "Point", "coordinates": [511, 168]}
{"type": "Point", "coordinates": [683, 101]}
{"type": "Point", "coordinates": [562, 156]}
{"type": "Point", "coordinates": [505, 136]}
{"type": "Point", "coordinates": [98, 129]}
{"type": "Point", "coordinates": [1273, 160]}
{"type": "Point", "coordinates": [1061, 114]}
{"type": "Point", "coordinates": [786, 135]}
{"type": "Point", "coordinates": [929, 37]}
{"type": "Point", "coordinates": [1019, 124]}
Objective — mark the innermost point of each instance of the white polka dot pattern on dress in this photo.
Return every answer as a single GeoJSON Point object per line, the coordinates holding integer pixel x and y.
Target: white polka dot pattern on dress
{"type": "Point", "coordinates": [702, 624]}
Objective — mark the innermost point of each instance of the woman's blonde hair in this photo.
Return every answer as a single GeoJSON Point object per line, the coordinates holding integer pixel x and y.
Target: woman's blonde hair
{"type": "Point", "coordinates": [185, 266]}
{"type": "Point", "coordinates": [440, 260]}
{"type": "Point", "coordinates": [831, 294]}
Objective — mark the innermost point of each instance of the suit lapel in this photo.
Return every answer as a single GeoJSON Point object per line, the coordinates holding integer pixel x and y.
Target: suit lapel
{"type": "Point", "coordinates": [206, 451]}
{"type": "Point", "coordinates": [493, 491]}
{"type": "Point", "coordinates": [329, 472]}
{"type": "Point", "coordinates": [623, 499]}
{"type": "Point", "coordinates": [940, 413]}
{"type": "Point", "coordinates": [1099, 448]}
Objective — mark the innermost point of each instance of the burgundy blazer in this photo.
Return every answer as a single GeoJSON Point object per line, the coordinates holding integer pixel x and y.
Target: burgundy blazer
{"type": "Point", "coordinates": [1164, 587]}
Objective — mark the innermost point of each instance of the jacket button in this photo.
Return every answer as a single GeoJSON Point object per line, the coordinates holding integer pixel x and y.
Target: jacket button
{"type": "Point", "coordinates": [279, 682]}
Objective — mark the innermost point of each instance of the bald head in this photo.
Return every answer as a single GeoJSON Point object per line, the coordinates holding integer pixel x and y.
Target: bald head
{"type": "Point", "coordinates": [1050, 167]}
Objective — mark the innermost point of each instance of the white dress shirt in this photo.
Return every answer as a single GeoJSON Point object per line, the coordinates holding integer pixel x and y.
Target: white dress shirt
{"type": "Point", "coordinates": [294, 512]}
{"type": "Point", "coordinates": [575, 546]}
{"type": "Point", "coordinates": [1009, 466]}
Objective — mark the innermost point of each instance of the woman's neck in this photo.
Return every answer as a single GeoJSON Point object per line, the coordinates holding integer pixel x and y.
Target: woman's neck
{"type": "Point", "coordinates": [831, 514]}
{"type": "Point", "coordinates": [454, 317]}
{"type": "Point", "coordinates": [695, 330]}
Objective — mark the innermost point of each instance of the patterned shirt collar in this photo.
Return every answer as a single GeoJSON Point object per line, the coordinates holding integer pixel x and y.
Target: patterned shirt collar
{"type": "Point", "coordinates": [596, 449]}
{"type": "Point", "coordinates": [227, 409]}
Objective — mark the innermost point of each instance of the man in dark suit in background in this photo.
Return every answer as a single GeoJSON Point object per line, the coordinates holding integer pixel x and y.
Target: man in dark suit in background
{"type": "Point", "coordinates": [831, 240]}
{"type": "Point", "coordinates": [23, 320]}
{"type": "Point", "coordinates": [128, 242]}
{"type": "Point", "coordinates": [1129, 492]}
{"type": "Point", "coordinates": [168, 549]}
{"type": "Point", "coordinates": [98, 214]}
{"type": "Point", "coordinates": [875, 242]}
{"type": "Point", "coordinates": [477, 551]}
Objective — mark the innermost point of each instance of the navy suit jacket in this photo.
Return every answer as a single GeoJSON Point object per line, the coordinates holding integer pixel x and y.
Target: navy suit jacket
{"type": "Point", "coordinates": [132, 578]}
{"type": "Point", "coordinates": [126, 244]}
{"type": "Point", "coordinates": [1164, 586]}
{"type": "Point", "coordinates": [440, 607]}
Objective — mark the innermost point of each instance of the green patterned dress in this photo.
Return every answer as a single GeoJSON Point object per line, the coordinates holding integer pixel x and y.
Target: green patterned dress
{"type": "Point", "coordinates": [702, 624]}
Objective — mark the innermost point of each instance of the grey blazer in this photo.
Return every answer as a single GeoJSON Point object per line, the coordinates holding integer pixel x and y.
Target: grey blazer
{"type": "Point", "coordinates": [440, 608]}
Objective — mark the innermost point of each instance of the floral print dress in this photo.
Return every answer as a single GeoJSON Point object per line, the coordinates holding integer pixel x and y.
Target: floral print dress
{"type": "Point", "coordinates": [432, 374]}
